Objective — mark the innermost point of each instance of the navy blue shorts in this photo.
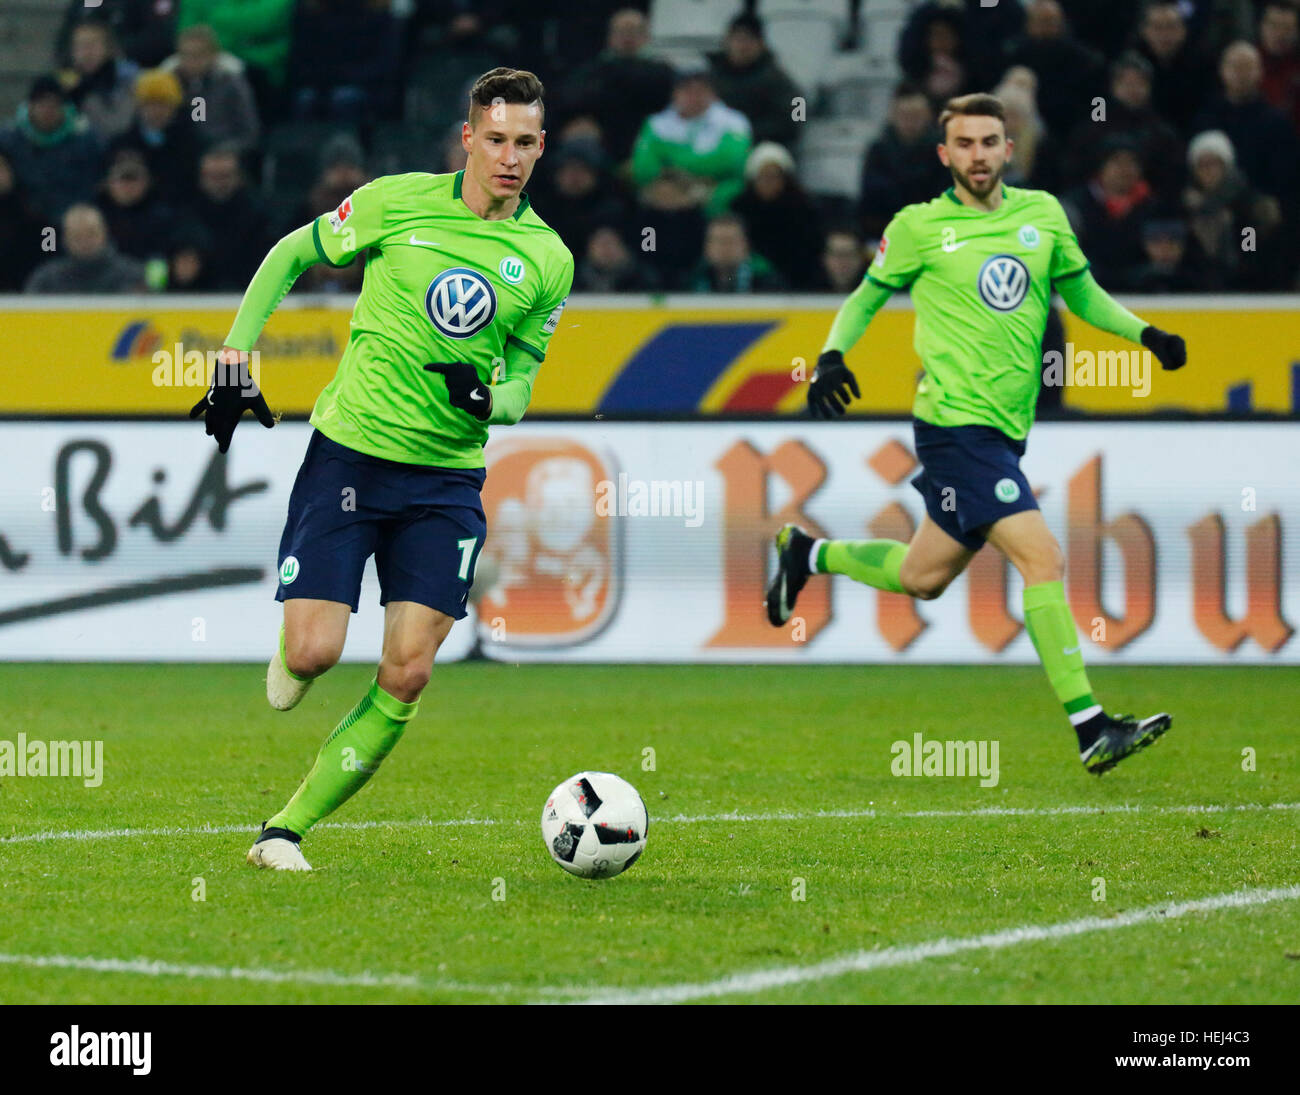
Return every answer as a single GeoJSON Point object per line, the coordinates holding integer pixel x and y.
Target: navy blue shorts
{"type": "Point", "coordinates": [970, 477]}
{"type": "Point", "coordinates": [424, 526]}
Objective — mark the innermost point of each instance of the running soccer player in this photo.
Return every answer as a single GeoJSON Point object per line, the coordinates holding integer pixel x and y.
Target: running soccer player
{"type": "Point", "coordinates": [981, 261]}
{"type": "Point", "coordinates": [461, 276]}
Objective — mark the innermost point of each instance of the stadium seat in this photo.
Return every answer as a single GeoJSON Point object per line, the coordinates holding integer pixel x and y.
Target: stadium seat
{"type": "Point", "coordinates": [835, 10]}
{"type": "Point", "coordinates": [882, 24]}
{"type": "Point", "coordinates": [804, 42]}
{"type": "Point", "coordinates": [696, 21]}
{"type": "Point", "coordinates": [27, 32]}
{"type": "Point", "coordinates": [830, 157]}
{"type": "Point", "coordinates": [857, 88]}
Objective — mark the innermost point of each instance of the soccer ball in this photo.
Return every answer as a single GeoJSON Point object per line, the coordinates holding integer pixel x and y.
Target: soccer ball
{"type": "Point", "coordinates": [594, 825]}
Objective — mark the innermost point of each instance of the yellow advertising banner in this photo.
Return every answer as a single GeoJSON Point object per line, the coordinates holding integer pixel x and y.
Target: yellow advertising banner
{"type": "Point", "coordinates": [631, 356]}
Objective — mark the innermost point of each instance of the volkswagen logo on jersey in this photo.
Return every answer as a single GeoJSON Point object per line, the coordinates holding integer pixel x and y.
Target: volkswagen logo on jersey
{"type": "Point", "coordinates": [1003, 282]}
{"type": "Point", "coordinates": [460, 302]}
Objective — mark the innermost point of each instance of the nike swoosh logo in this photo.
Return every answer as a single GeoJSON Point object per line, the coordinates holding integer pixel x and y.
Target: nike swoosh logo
{"type": "Point", "coordinates": [1070, 649]}
{"type": "Point", "coordinates": [951, 247]}
{"type": "Point", "coordinates": [422, 243]}
{"type": "Point", "coordinates": [476, 395]}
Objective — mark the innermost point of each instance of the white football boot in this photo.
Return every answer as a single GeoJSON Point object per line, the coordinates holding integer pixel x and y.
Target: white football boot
{"type": "Point", "coordinates": [277, 853]}
{"type": "Point", "coordinates": [283, 692]}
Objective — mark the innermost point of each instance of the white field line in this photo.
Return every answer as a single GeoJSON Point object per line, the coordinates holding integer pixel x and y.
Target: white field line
{"type": "Point", "coordinates": [682, 819]}
{"type": "Point", "coordinates": [865, 961]}
{"type": "Point", "coordinates": [754, 982]}
{"type": "Point", "coordinates": [205, 830]}
{"type": "Point", "coordinates": [151, 968]}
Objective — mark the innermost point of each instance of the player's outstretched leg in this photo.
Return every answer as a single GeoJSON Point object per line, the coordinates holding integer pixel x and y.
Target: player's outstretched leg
{"type": "Point", "coordinates": [798, 556]}
{"type": "Point", "coordinates": [367, 734]}
{"type": "Point", "coordinates": [347, 759]}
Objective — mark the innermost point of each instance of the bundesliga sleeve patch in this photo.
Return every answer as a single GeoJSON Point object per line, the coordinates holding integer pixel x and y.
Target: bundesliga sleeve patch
{"type": "Point", "coordinates": [340, 216]}
{"type": "Point", "coordinates": [879, 260]}
{"type": "Point", "coordinates": [554, 320]}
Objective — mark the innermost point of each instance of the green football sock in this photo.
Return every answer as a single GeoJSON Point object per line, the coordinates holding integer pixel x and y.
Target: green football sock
{"type": "Point", "coordinates": [1051, 627]}
{"type": "Point", "coordinates": [872, 562]}
{"type": "Point", "coordinates": [348, 758]}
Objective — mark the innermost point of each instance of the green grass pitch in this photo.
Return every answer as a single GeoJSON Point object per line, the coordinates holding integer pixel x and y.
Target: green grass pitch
{"type": "Point", "coordinates": [446, 894]}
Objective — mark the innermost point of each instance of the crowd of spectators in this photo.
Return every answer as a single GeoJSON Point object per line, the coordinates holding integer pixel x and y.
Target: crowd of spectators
{"type": "Point", "coordinates": [154, 154]}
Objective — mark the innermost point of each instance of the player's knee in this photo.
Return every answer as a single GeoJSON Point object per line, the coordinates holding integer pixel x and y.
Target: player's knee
{"type": "Point", "coordinates": [311, 657]}
{"type": "Point", "coordinates": [309, 665]}
{"type": "Point", "coordinates": [928, 591]}
{"type": "Point", "coordinates": [923, 585]}
{"type": "Point", "coordinates": [1047, 565]}
{"type": "Point", "coordinates": [404, 679]}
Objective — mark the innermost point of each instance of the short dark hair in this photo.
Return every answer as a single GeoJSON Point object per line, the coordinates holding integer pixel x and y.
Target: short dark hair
{"type": "Point", "coordinates": [976, 105]}
{"type": "Point", "coordinates": [1134, 61]}
{"type": "Point", "coordinates": [745, 21]}
{"type": "Point", "coordinates": [1155, 5]}
{"type": "Point", "coordinates": [44, 86]}
{"type": "Point", "coordinates": [506, 85]}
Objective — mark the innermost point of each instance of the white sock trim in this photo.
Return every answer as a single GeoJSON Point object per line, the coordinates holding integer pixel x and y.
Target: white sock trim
{"type": "Point", "coordinates": [1083, 716]}
{"type": "Point", "coordinates": [812, 556]}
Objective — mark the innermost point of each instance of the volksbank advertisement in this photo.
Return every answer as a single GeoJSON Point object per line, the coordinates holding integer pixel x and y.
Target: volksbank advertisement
{"type": "Point", "coordinates": [633, 355]}
{"type": "Point", "coordinates": [652, 542]}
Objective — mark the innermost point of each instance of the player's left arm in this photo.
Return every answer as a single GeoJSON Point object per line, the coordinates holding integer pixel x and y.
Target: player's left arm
{"type": "Point", "coordinates": [526, 348]}
{"type": "Point", "coordinates": [1091, 303]}
{"type": "Point", "coordinates": [500, 403]}
{"type": "Point", "coordinates": [504, 402]}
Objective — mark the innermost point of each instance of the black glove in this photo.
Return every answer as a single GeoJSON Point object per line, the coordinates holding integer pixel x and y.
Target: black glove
{"type": "Point", "coordinates": [828, 394]}
{"type": "Point", "coordinates": [1171, 350]}
{"type": "Point", "coordinates": [464, 389]}
{"type": "Point", "coordinates": [231, 393]}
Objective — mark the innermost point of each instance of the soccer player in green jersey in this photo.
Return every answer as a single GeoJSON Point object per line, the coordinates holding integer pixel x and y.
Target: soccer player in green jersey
{"type": "Point", "coordinates": [462, 278]}
{"type": "Point", "coordinates": [981, 261]}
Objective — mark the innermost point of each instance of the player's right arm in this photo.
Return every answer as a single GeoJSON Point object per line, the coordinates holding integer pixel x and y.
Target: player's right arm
{"type": "Point", "coordinates": [1091, 303]}
{"type": "Point", "coordinates": [334, 238]}
{"type": "Point", "coordinates": [894, 268]}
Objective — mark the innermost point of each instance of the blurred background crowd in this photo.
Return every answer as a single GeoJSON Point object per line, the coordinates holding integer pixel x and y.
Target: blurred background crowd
{"type": "Point", "coordinates": [692, 145]}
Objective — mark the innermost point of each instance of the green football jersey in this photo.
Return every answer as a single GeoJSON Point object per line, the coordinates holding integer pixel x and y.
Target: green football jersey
{"type": "Point", "coordinates": [981, 284]}
{"type": "Point", "coordinates": [441, 285]}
